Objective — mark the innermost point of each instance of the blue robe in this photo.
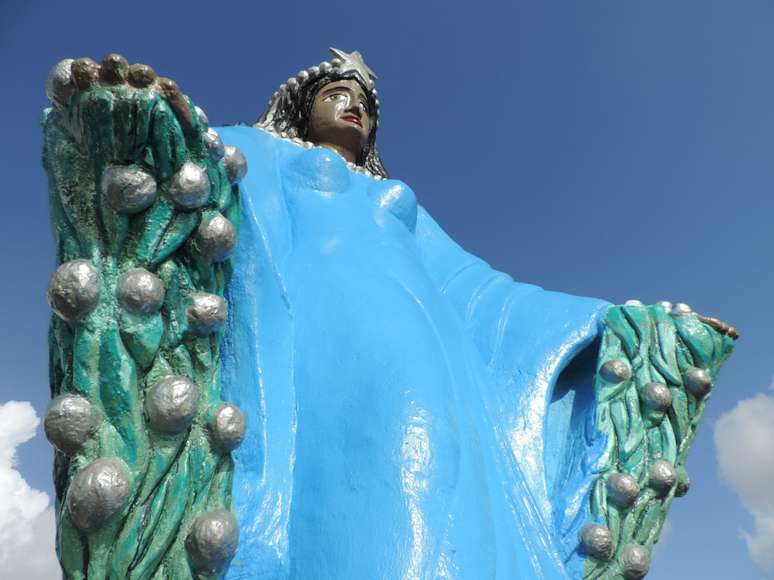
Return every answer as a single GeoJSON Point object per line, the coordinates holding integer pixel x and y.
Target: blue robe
{"type": "Point", "coordinates": [412, 413]}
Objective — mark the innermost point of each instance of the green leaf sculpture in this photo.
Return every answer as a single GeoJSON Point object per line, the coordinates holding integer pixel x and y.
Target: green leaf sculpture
{"type": "Point", "coordinates": [144, 207]}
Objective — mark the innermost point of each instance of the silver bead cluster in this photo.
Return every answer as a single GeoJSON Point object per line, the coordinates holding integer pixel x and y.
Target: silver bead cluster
{"type": "Point", "coordinates": [698, 382]}
{"type": "Point", "coordinates": [214, 144]}
{"type": "Point", "coordinates": [98, 492]}
{"type": "Point", "coordinates": [215, 238]}
{"type": "Point", "coordinates": [597, 541]}
{"type": "Point", "coordinates": [171, 404]}
{"type": "Point", "coordinates": [662, 476]}
{"type": "Point", "coordinates": [635, 562]}
{"type": "Point", "coordinates": [140, 291]}
{"type": "Point", "coordinates": [207, 313]}
{"type": "Point", "coordinates": [74, 289]}
{"type": "Point", "coordinates": [657, 397]}
{"type": "Point", "coordinates": [128, 189]}
{"type": "Point", "coordinates": [69, 422]}
{"type": "Point", "coordinates": [227, 427]}
{"type": "Point", "coordinates": [616, 371]}
{"type": "Point", "coordinates": [622, 489]}
{"type": "Point", "coordinates": [190, 186]}
{"type": "Point", "coordinates": [202, 116]}
{"type": "Point", "coordinates": [212, 540]}
{"type": "Point", "coordinates": [59, 85]}
{"type": "Point", "coordinates": [234, 163]}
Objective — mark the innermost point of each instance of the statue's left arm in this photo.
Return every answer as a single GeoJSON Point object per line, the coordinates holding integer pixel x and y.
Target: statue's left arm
{"type": "Point", "coordinates": [597, 404]}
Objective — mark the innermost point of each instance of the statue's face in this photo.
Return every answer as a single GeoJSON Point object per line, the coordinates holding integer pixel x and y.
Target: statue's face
{"type": "Point", "coordinates": [340, 117]}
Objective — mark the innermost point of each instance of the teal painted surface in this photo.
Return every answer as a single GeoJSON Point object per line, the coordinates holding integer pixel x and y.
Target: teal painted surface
{"type": "Point", "coordinates": [112, 357]}
{"type": "Point", "coordinates": [658, 348]}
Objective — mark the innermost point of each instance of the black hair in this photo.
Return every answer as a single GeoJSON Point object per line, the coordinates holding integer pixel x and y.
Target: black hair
{"type": "Point", "coordinates": [290, 109]}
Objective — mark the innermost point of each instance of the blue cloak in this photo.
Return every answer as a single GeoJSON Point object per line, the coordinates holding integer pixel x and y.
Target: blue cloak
{"type": "Point", "coordinates": [412, 413]}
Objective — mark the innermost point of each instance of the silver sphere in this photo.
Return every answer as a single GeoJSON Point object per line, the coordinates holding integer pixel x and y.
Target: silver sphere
{"type": "Point", "coordinates": [235, 163]}
{"type": "Point", "coordinates": [622, 489]}
{"type": "Point", "coordinates": [633, 303]}
{"type": "Point", "coordinates": [662, 476]}
{"type": "Point", "coordinates": [202, 117]}
{"type": "Point", "coordinates": [70, 421]}
{"type": "Point", "coordinates": [98, 492]}
{"type": "Point", "coordinates": [597, 541]}
{"type": "Point", "coordinates": [213, 540]}
{"type": "Point", "coordinates": [140, 292]}
{"type": "Point", "coordinates": [665, 304]}
{"type": "Point", "coordinates": [683, 482]}
{"type": "Point", "coordinates": [59, 85]}
{"type": "Point", "coordinates": [657, 396]}
{"type": "Point", "coordinates": [635, 562]}
{"type": "Point", "coordinates": [214, 144]}
{"type": "Point", "coordinates": [681, 309]}
{"type": "Point", "coordinates": [128, 189]}
{"type": "Point", "coordinates": [616, 371]}
{"type": "Point", "coordinates": [73, 291]}
{"type": "Point", "coordinates": [228, 427]}
{"type": "Point", "coordinates": [171, 404]}
{"type": "Point", "coordinates": [215, 238]}
{"type": "Point", "coordinates": [190, 187]}
{"type": "Point", "coordinates": [207, 313]}
{"type": "Point", "coordinates": [698, 382]}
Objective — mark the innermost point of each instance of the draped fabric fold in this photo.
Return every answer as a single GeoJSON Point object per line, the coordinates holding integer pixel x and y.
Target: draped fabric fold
{"type": "Point", "coordinates": [412, 413]}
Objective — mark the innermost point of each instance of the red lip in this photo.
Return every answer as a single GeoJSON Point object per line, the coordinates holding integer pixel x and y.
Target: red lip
{"type": "Point", "coordinates": [353, 119]}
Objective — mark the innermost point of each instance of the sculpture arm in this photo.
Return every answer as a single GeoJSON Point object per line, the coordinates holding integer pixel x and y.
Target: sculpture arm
{"type": "Point", "coordinates": [144, 212]}
{"type": "Point", "coordinates": [600, 404]}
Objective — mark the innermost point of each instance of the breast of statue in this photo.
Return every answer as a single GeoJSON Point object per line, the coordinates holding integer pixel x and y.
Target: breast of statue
{"type": "Point", "coordinates": [397, 389]}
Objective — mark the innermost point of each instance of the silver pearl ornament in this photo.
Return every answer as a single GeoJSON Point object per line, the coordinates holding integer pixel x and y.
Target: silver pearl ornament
{"type": "Point", "coordinates": [325, 67]}
{"type": "Point", "coordinates": [683, 482]}
{"type": "Point", "coordinates": [681, 309]}
{"type": "Point", "coordinates": [616, 371]}
{"type": "Point", "coordinates": [235, 163]}
{"type": "Point", "coordinates": [635, 562]}
{"type": "Point", "coordinates": [698, 382]}
{"type": "Point", "coordinates": [171, 404]}
{"type": "Point", "coordinates": [207, 313]}
{"type": "Point", "coordinates": [140, 291]}
{"type": "Point", "coordinates": [313, 71]}
{"type": "Point", "coordinates": [665, 304]}
{"type": "Point", "coordinates": [633, 303]}
{"type": "Point", "coordinates": [59, 85]}
{"type": "Point", "coordinates": [202, 116]}
{"type": "Point", "coordinates": [214, 144]}
{"type": "Point", "coordinates": [98, 492]}
{"type": "Point", "coordinates": [228, 427]}
{"type": "Point", "coordinates": [302, 76]}
{"type": "Point", "coordinates": [657, 397]}
{"type": "Point", "coordinates": [128, 189]}
{"type": "Point", "coordinates": [622, 489]}
{"type": "Point", "coordinates": [190, 187]}
{"type": "Point", "coordinates": [662, 476]}
{"type": "Point", "coordinates": [215, 238]}
{"type": "Point", "coordinates": [73, 291]}
{"type": "Point", "coordinates": [213, 540]}
{"type": "Point", "coordinates": [69, 422]}
{"type": "Point", "coordinates": [597, 541]}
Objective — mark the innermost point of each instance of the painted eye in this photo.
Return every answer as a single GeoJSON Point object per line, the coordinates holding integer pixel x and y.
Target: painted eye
{"type": "Point", "coordinates": [335, 97]}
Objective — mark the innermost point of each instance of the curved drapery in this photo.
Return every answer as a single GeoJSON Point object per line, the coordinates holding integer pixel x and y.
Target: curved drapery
{"type": "Point", "coordinates": [412, 413]}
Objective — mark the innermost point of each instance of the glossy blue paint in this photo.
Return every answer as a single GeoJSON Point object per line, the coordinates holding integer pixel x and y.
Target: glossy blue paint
{"type": "Point", "coordinates": [397, 389]}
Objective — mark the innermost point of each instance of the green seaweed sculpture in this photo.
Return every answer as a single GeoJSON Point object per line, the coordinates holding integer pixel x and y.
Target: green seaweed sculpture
{"type": "Point", "coordinates": [144, 212]}
{"type": "Point", "coordinates": [655, 371]}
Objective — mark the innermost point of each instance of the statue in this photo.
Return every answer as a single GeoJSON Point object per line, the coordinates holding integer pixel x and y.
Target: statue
{"type": "Point", "coordinates": [268, 361]}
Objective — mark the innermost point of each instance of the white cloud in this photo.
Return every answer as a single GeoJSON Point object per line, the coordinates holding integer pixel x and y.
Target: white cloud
{"type": "Point", "coordinates": [744, 438]}
{"type": "Point", "coordinates": [26, 520]}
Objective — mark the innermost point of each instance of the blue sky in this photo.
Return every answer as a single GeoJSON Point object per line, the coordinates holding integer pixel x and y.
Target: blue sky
{"type": "Point", "coordinates": [611, 149]}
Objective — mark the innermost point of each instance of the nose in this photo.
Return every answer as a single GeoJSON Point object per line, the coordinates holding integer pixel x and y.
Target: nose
{"type": "Point", "coordinates": [355, 106]}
